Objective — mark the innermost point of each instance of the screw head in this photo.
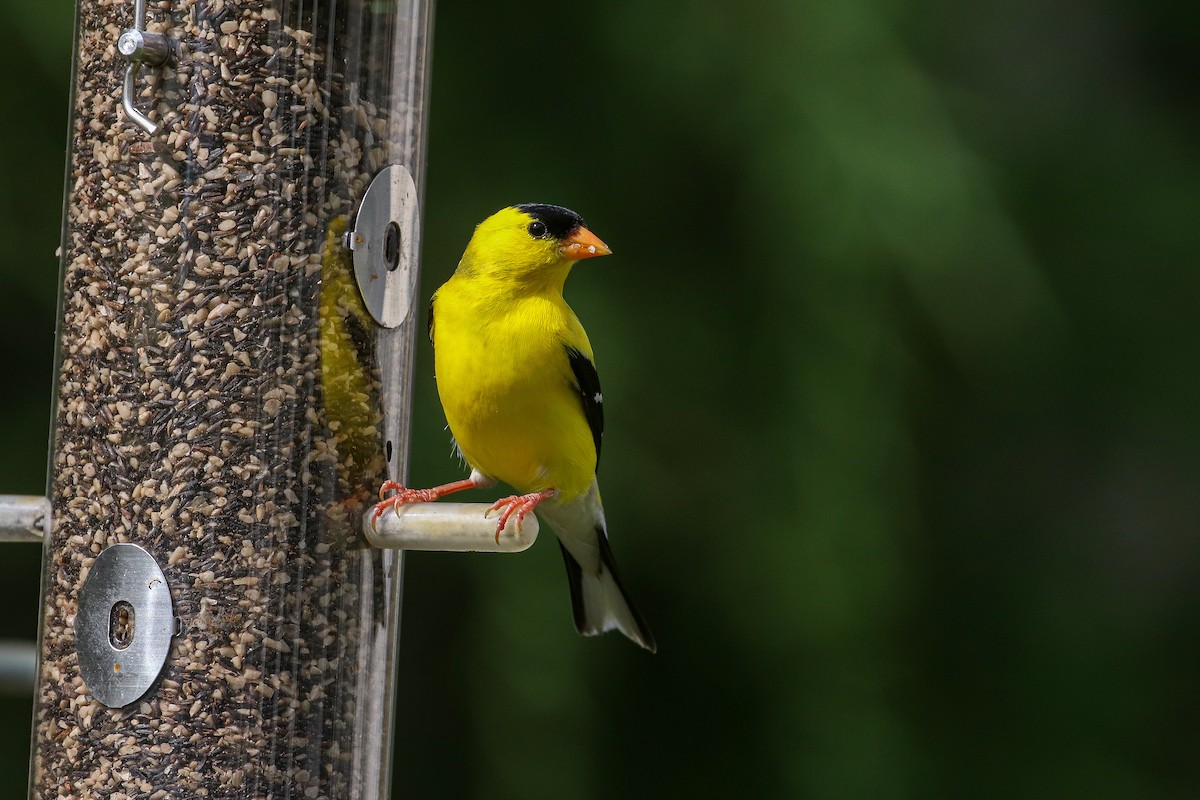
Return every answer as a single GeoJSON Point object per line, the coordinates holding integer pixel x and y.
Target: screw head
{"type": "Point", "coordinates": [130, 43]}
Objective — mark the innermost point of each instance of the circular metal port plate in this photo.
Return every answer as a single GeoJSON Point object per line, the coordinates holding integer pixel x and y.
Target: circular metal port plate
{"type": "Point", "coordinates": [385, 244]}
{"type": "Point", "coordinates": [124, 626]}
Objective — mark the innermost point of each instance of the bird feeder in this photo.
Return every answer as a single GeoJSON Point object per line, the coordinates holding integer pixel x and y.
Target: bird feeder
{"type": "Point", "coordinates": [235, 339]}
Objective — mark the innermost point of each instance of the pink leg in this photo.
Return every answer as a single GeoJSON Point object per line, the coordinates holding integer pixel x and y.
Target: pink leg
{"type": "Point", "coordinates": [403, 495]}
{"type": "Point", "coordinates": [519, 504]}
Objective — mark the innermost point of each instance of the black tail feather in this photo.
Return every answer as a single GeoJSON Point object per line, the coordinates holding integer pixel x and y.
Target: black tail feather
{"type": "Point", "coordinates": [606, 558]}
{"type": "Point", "coordinates": [575, 579]}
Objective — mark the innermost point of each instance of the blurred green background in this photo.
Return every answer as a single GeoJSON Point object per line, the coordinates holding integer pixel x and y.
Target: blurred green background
{"type": "Point", "coordinates": [899, 349]}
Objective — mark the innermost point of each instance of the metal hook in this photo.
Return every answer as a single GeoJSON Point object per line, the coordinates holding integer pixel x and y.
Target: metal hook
{"type": "Point", "coordinates": [141, 47]}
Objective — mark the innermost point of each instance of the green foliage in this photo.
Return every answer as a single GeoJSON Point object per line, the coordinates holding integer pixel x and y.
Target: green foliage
{"type": "Point", "coordinates": [899, 355]}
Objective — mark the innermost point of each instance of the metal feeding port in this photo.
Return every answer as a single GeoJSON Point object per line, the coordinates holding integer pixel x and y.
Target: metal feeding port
{"type": "Point", "coordinates": [384, 241]}
{"type": "Point", "coordinates": [124, 626]}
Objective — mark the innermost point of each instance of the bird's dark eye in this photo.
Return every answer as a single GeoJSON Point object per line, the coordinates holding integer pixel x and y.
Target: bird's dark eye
{"type": "Point", "coordinates": [537, 229]}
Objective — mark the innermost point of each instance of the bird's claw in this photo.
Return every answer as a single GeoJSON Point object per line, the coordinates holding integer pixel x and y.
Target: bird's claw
{"type": "Point", "coordinates": [401, 496]}
{"type": "Point", "coordinates": [519, 504]}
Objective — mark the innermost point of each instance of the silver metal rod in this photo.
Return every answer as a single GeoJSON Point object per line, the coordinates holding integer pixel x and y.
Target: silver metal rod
{"type": "Point", "coordinates": [140, 47]}
{"type": "Point", "coordinates": [144, 122]}
{"type": "Point", "coordinates": [453, 527]}
{"type": "Point", "coordinates": [23, 518]}
{"type": "Point", "coordinates": [18, 668]}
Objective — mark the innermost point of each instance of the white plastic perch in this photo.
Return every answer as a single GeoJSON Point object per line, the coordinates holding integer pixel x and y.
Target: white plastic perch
{"type": "Point", "coordinates": [453, 527]}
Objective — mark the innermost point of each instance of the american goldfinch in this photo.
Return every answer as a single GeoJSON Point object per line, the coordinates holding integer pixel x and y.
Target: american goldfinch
{"type": "Point", "coordinates": [350, 382]}
{"type": "Point", "coordinates": [517, 381]}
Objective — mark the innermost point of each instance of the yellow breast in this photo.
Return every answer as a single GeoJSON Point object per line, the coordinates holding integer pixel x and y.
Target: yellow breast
{"type": "Point", "coordinates": [507, 389]}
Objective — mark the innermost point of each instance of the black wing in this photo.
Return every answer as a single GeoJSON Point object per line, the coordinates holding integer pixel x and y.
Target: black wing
{"type": "Point", "coordinates": [587, 383]}
{"type": "Point", "coordinates": [429, 327]}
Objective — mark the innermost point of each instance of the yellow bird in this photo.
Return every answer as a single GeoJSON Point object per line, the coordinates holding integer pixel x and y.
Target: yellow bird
{"type": "Point", "coordinates": [519, 387]}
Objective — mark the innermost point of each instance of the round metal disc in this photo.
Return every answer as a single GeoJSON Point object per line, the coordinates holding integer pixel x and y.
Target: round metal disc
{"type": "Point", "coordinates": [385, 244]}
{"type": "Point", "coordinates": [124, 626]}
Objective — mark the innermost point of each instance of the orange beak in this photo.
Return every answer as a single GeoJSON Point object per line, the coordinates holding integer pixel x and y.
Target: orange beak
{"type": "Point", "coordinates": [583, 244]}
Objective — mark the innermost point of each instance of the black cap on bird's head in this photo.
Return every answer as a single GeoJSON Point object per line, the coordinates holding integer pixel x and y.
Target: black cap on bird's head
{"type": "Point", "coordinates": [566, 227]}
{"type": "Point", "coordinates": [560, 222]}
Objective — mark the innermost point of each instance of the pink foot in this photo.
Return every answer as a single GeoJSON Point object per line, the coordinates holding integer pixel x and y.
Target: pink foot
{"type": "Point", "coordinates": [403, 495]}
{"type": "Point", "coordinates": [519, 504]}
